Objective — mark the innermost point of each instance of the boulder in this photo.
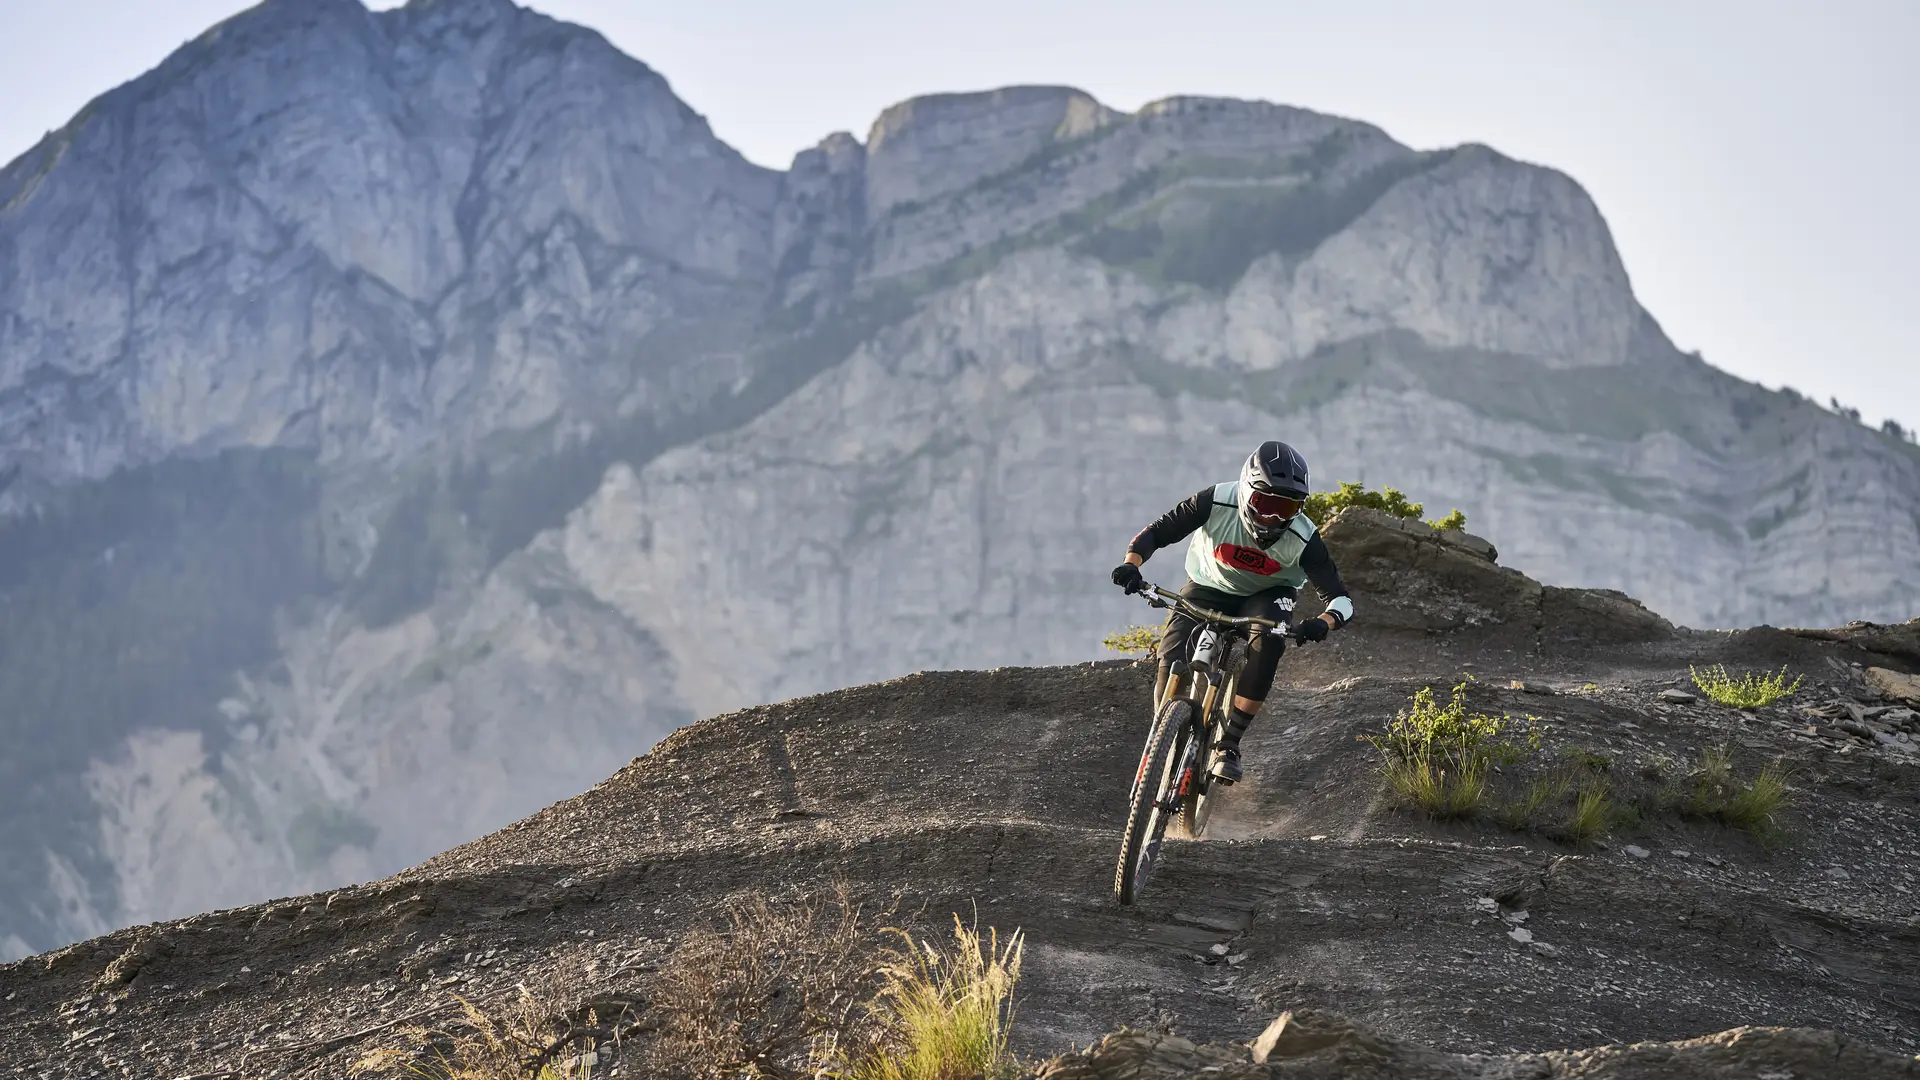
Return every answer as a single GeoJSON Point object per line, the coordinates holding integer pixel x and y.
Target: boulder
{"type": "Point", "coordinates": [1894, 684]}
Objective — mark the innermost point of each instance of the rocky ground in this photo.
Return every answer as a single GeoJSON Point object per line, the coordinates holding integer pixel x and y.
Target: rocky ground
{"type": "Point", "coordinates": [1002, 792]}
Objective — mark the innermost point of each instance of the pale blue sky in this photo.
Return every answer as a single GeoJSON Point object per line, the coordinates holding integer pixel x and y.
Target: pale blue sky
{"type": "Point", "coordinates": [1756, 158]}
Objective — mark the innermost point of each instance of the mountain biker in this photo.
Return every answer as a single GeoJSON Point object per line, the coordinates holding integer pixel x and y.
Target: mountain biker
{"type": "Point", "coordinates": [1252, 549]}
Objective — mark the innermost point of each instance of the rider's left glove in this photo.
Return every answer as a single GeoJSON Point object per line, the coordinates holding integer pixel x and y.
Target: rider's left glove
{"type": "Point", "coordinates": [1127, 576]}
{"type": "Point", "coordinates": [1314, 629]}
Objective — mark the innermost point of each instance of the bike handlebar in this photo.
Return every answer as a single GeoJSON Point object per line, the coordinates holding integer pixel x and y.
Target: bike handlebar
{"type": "Point", "coordinates": [1161, 598]}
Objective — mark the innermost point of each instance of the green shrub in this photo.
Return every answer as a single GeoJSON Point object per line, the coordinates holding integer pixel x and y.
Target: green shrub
{"type": "Point", "coordinates": [1134, 640]}
{"type": "Point", "coordinates": [1438, 757]}
{"type": "Point", "coordinates": [1749, 691]}
{"type": "Point", "coordinates": [1322, 505]}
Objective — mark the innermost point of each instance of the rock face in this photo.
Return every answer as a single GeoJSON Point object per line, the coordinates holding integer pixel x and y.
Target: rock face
{"type": "Point", "coordinates": [405, 414]}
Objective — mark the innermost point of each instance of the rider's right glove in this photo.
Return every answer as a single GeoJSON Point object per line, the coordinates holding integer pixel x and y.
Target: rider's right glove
{"type": "Point", "coordinates": [1127, 576]}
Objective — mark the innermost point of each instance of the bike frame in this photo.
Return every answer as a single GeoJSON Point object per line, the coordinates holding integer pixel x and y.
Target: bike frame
{"type": "Point", "coordinates": [1206, 646]}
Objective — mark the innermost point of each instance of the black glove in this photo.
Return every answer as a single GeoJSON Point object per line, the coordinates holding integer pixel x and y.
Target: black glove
{"type": "Point", "coordinates": [1127, 576]}
{"type": "Point", "coordinates": [1314, 629]}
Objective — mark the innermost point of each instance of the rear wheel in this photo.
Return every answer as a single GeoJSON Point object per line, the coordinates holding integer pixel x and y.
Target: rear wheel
{"type": "Point", "coordinates": [1154, 795]}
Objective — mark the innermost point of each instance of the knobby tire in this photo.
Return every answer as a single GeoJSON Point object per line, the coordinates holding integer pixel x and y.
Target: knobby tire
{"type": "Point", "coordinates": [1146, 822]}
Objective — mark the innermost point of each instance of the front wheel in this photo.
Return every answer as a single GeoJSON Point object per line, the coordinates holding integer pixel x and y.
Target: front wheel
{"type": "Point", "coordinates": [1197, 807]}
{"type": "Point", "coordinates": [1154, 800]}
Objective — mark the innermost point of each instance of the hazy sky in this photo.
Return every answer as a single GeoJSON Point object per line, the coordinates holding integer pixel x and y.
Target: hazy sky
{"type": "Point", "coordinates": [1756, 159]}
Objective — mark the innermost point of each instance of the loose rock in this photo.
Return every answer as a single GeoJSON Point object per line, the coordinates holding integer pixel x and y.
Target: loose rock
{"type": "Point", "coordinates": [1895, 684]}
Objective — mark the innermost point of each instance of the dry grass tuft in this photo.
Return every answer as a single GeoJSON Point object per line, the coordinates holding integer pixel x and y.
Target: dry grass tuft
{"type": "Point", "coordinates": [1757, 806]}
{"type": "Point", "coordinates": [1593, 813]}
{"type": "Point", "coordinates": [1713, 791]}
{"type": "Point", "coordinates": [544, 1031]}
{"type": "Point", "coordinates": [1444, 790]}
{"type": "Point", "coordinates": [944, 1014]}
{"type": "Point", "coordinates": [775, 993]}
{"type": "Point", "coordinates": [1540, 793]}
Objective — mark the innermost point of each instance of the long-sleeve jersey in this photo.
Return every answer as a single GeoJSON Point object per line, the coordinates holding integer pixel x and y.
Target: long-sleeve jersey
{"type": "Point", "coordinates": [1225, 556]}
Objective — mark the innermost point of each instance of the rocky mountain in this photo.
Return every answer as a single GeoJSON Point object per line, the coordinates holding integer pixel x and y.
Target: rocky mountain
{"type": "Point", "coordinates": [404, 415]}
{"type": "Point", "coordinates": [1472, 948]}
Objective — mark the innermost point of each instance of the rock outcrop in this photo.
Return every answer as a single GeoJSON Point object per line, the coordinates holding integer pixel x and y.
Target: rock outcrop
{"type": "Point", "coordinates": [1313, 1045]}
{"type": "Point", "coordinates": [1419, 578]}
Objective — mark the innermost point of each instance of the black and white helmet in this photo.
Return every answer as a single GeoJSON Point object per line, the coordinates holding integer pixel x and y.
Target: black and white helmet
{"type": "Point", "coordinates": [1273, 485]}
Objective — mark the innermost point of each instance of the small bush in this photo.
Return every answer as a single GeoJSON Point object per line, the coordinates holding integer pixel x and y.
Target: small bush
{"type": "Point", "coordinates": [1438, 757]}
{"type": "Point", "coordinates": [1322, 505]}
{"type": "Point", "coordinates": [1749, 691]}
{"type": "Point", "coordinates": [1628, 817]}
{"type": "Point", "coordinates": [944, 1014]}
{"type": "Point", "coordinates": [1589, 760]}
{"type": "Point", "coordinates": [1134, 641]}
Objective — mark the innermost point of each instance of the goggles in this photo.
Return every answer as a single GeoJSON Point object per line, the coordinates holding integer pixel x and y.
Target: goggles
{"type": "Point", "coordinates": [1269, 504]}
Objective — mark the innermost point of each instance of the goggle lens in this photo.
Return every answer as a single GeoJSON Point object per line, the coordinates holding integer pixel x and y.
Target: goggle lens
{"type": "Point", "coordinates": [1269, 504]}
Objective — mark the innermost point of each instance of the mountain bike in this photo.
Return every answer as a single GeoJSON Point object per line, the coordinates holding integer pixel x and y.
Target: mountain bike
{"type": "Point", "coordinates": [1173, 776]}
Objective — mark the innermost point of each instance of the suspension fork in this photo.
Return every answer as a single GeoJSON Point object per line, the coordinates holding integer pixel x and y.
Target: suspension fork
{"type": "Point", "coordinates": [1213, 694]}
{"type": "Point", "coordinates": [1177, 673]}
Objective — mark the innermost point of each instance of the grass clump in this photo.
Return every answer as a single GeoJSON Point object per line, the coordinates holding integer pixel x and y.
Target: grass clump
{"type": "Point", "coordinates": [944, 1014]}
{"type": "Point", "coordinates": [1439, 757]}
{"type": "Point", "coordinates": [1322, 505]}
{"type": "Point", "coordinates": [1714, 792]}
{"type": "Point", "coordinates": [1756, 806]}
{"type": "Point", "coordinates": [1540, 793]}
{"type": "Point", "coordinates": [1748, 691]}
{"type": "Point", "coordinates": [1134, 641]}
{"type": "Point", "coordinates": [1593, 812]}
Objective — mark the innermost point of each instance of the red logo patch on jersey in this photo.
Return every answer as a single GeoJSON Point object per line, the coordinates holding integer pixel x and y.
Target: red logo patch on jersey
{"type": "Point", "coordinates": [1250, 559]}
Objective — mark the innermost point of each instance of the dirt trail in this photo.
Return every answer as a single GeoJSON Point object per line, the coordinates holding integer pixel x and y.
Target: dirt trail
{"type": "Point", "coordinates": [1002, 792]}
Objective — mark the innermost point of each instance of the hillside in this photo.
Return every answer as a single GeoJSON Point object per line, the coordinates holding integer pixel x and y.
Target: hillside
{"type": "Point", "coordinates": [397, 408]}
{"type": "Point", "coordinates": [1001, 791]}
